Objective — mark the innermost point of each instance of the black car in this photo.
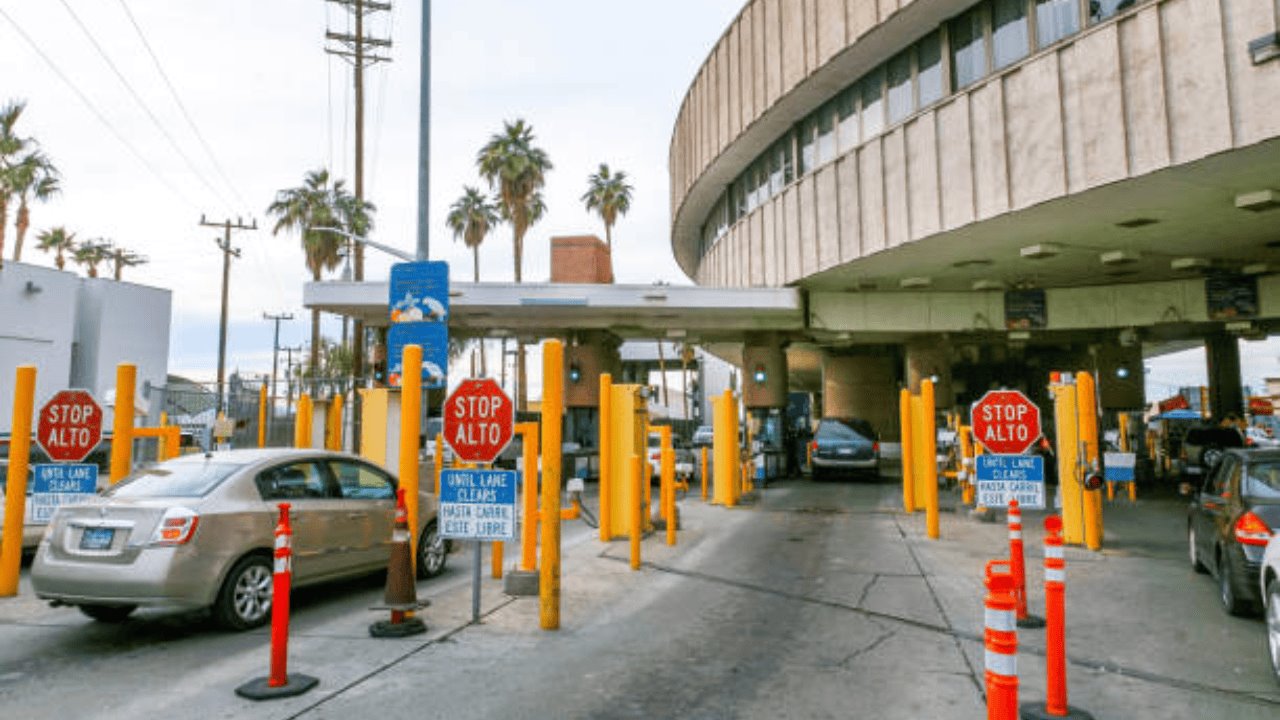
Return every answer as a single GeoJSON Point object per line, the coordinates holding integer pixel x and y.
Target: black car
{"type": "Point", "coordinates": [845, 445]}
{"type": "Point", "coordinates": [1230, 521]}
{"type": "Point", "coordinates": [1203, 448]}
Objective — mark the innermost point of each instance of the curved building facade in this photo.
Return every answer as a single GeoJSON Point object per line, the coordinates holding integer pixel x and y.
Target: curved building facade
{"type": "Point", "coordinates": [1109, 154]}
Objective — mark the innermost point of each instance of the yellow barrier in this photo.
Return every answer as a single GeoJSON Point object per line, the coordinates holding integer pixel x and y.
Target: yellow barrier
{"type": "Point", "coordinates": [529, 528]}
{"type": "Point", "coordinates": [633, 510]}
{"type": "Point", "coordinates": [262, 415]}
{"type": "Point", "coordinates": [552, 416]}
{"type": "Point", "coordinates": [15, 498]}
{"type": "Point", "coordinates": [908, 450]}
{"type": "Point", "coordinates": [333, 425]}
{"type": "Point", "coordinates": [605, 444]}
{"type": "Point", "coordinates": [410, 426]}
{"type": "Point", "coordinates": [1087, 417]}
{"type": "Point", "coordinates": [667, 486]}
{"type": "Point", "coordinates": [930, 454]}
{"type": "Point", "coordinates": [122, 422]}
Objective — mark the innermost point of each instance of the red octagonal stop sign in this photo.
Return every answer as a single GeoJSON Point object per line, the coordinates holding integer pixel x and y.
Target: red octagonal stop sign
{"type": "Point", "coordinates": [478, 420]}
{"type": "Point", "coordinates": [1006, 422]}
{"type": "Point", "coordinates": [70, 426]}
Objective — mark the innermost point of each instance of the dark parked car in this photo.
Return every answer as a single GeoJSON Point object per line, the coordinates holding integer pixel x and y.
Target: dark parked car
{"type": "Point", "coordinates": [845, 445]}
{"type": "Point", "coordinates": [1230, 521]}
{"type": "Point", "coordinates": [1203, 447]}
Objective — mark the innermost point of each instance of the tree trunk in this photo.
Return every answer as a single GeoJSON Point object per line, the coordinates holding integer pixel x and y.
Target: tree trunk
{"type": "Point", "coordinates": [119, 267]}
{"type": "Point", "coordinates": [23, 222]}
{"type": "Point", "coordinates": [93, 271]}
{"type": "Point", "coordinates": [60, 260]}
{"type": "Point", "coordinates": [4, 215]}
{"type": "Point", "coordinates": [608, 239]}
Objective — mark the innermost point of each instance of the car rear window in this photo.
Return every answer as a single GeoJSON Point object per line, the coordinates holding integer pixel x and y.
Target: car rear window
{"type": "Point", "coordinates": [1222, 437]}
{"type": "Point", "coordinates": [174, 479]}
{"type": "Point", "coordinates": [1264, 480]}
{"type": "Point", "coordinates": [830, 429]}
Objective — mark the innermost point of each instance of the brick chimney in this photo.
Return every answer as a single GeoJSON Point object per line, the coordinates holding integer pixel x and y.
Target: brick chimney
{"type": "Point", "coordinates": [580, 259]}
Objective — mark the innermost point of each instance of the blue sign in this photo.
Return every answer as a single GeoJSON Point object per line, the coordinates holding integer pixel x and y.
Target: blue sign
{"type": "Point", "coordinates": [1118, 467]}
{"type": "Point", "coordinates": [478, 504]}
{"type": "Point", "coordinates": [434, 339]}
{"type": "Point", "coordinates": [1002, 478]}
{"type": "Point", "coordinates": [53, 486]}
{"type": "Point", "coordinates": [419, 292]}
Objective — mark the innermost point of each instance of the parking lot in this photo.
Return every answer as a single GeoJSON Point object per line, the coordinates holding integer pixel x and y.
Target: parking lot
{"type": "Point", "coordinates": [817, 600]}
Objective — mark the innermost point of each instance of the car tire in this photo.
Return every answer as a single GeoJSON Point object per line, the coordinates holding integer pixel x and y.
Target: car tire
{"type": "Point", "coordinates": [1231, 600]}
{"type": "Point", "coordinates": [1272, 602]}
{"type": "Point", "coordinates": [110, 614]}
{"type": "Point", "coordinates": [1210, 457]}
{"type": "Point", "coordinates": [244, 601]}
{"type": "Point", "coordinates": [1193, 552]}
{"type": "Point", "coordinates": [433, 552]}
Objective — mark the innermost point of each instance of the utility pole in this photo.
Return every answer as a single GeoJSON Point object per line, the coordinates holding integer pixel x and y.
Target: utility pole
{"type": "Point", "coordinates": [288, 377]}
{"type": "Point", "coordinates": [424, 137]}
{"type": "Point", "coordinates": [353, 49]}
{"type": "Point", "coordinates": [227, 252]}
{"type": "Point", "coordinates": [275, 354]}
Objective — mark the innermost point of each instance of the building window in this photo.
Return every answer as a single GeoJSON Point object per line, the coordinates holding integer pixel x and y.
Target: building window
{"type": "Point", "coordinates": [847, 117]}
{"type": "Point", "coordinates": [929, 69]}
{"type": "Point", "coordinates": [1056, 19]}
{"type": "Point", "coordinates": [1100, 10]}
{"type": "Point", "coordinates": [872, 91]}
{"type": "Point", "coordinates": [739, 204]}
{"type": "Point", "coordinates": [901, 96]}
{"type": "Point", "coordinates": [826, 133]}
{"type": "Point", "coordinates": [808, 145]}
{"type": "Point", "coordinates": [762, 181]}
{"type": "Point", "coordinates": [968, 48]}
{"type": "Point", "coordinates": [1009, 40]}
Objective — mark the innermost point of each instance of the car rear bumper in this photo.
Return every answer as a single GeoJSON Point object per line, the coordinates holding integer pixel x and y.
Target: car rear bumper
{"type": "Point", "coordinates": [846, 464]}
{"type": "Point", "coordinates": [157, 577]}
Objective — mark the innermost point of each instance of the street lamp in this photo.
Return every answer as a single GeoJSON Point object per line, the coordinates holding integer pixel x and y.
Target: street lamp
{"type": "Point", "coordinates": [407, 257]}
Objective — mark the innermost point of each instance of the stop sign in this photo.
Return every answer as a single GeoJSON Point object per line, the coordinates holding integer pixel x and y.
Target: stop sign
{"type": "Point", "coordinates": [70, 426]}
{"type": "Point", "coordinates": [1006, 422]}
{"type": "Point", "coordinates": [478, 420]}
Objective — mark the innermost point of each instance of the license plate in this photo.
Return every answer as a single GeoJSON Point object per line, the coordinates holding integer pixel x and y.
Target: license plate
{"type": "Point", "coordinates": [97, 538]}
{"type": "Point", "coordinates": [845, 451]}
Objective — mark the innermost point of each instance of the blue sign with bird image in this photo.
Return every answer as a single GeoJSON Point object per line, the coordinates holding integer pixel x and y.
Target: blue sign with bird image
{"type": "Point", "coordinates": [434, 340]}
{"type": "Point", "coordinates": [419, 305]}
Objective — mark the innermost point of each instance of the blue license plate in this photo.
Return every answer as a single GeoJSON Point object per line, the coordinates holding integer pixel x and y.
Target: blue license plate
{"type": "Point", "coordinates": [97, 538]}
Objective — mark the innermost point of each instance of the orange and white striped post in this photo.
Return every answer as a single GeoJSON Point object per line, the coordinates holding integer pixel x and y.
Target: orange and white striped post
{"type": "Point", "coordinates": [1055, 611]}
{"type": "Point", "coordinates": [278, 683]}
{"type": "Point", "coordinates": [1017, 565]}
{"type": "Point", "coordinates": [1000, 637]}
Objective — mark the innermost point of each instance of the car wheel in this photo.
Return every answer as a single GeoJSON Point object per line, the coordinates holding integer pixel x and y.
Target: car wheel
{"type": "Point", "coordinates": [432, 553]}
{"type": "Point", "coordinates": [244, 601]}
{"type": "Point", "coordinates": [1194, 552]}
{"type": "Point", "coordinates": [1273, 625]}
{"type": "Point", "coordinates": [1231, 601]}
{"type": "Point", "coordinates": [112, 614]}
{"type": "Point", "coordinates": [1210, 457]}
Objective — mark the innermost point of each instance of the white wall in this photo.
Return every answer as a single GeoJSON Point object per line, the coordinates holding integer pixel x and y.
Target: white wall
{"type": "Point", "coordinates": [121, 322]}
{"type": "Point", "coordinates": [36, 328]}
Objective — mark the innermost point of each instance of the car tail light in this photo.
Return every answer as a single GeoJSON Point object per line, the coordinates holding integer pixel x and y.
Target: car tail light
{"type": "Point", "coordinates": [177, 527]}
{"type": "Point", "coordinates": [1251, 530]}
{"type": "Point", "coordinates": [813, 445]}
{"type": "Point", "coordinates": [875, 447]}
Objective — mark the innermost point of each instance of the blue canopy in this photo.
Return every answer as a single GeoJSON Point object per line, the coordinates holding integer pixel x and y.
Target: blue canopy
{"type": "Point", "coordinates": [1180, 415]}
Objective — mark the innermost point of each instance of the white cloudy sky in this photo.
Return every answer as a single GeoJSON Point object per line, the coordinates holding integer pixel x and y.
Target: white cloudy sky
{"type": "Point", "coordinates": [599, 81]}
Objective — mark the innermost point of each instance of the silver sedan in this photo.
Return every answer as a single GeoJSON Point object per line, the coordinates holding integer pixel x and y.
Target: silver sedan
{"type": "Point", "coordinates": [198, 532]}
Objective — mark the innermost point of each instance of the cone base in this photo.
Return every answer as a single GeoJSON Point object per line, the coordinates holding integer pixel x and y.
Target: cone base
{"type": "Point", "coordinates": [1031, 622]}
{"type": "Point", "coordinates": [259, 689]}
{"type": "Point", "coordinates": [1037, 711]}
{"type": "Point", "coordinates": [388, 629]}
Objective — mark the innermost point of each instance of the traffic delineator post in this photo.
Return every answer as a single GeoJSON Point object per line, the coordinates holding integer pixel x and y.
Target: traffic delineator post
{"type": "Point", "coordinates": [1000, 638]}
{"type": "Point", "coordinates": [1055, 611]}
{"type": "Point", "coordinates": [279, 684]}
{"type": "Point", "coordinates": [400, 596]}
{"type": "Point", "coordinates": [1018, 568]}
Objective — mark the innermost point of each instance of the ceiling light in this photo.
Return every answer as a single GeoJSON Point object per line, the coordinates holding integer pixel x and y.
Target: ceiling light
{"type": "Point", "coordinates": [1041, 251]}
{"type": "Point", "coordinates": [1189, 263]}
{"type": "Point", "coordinates": [1120, 257]}
{"type": "Point", "coordinates": [1258, 200]}
{"type": "Point", "coordinates": [1019, 336]}
{"type": "Point", "coordinates": [1254, 269]}
{"type": "Point", "coordinates": [914, 283]}
{"type": "Point", "coordinates": [1239, 326]}
{"type": "Point", "coordinates": [1137, 223]}
{"type": "Point", "coordinates": [988, 285]}
{"type": "Point", "coordinates": [675, 333]}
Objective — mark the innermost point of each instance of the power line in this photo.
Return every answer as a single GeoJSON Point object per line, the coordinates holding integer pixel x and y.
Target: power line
{"type": "Point", "coordinates": [217, 166]}
{"type": "Point", "coordinates": [145, 108]}
{"type": "Point", "coordinates": [96, 112]}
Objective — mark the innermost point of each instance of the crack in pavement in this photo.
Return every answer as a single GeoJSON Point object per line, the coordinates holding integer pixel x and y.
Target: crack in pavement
{"type": "Point", "coordinates": [862, 599]}
{"type": "Point", "coordinates": [870, 647]}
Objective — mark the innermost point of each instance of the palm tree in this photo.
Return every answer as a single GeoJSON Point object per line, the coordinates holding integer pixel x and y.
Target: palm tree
{"type": "Point", "coordinates": [609, 196]}
{"type": "Point", "coordinates": [34, 177]}
{"type": "Point", "coordinates": [124, 258]}
{"type": "Point", "coordinates": [11, 147]}
{"type": "Point", "coordinates": [471, 218]}
{"type": "Point", "coordinates": [302, 209]}
{"type": "Point", "coordinates": [90, 253]}
{"type": "Point", "coordinates": [59, 241]}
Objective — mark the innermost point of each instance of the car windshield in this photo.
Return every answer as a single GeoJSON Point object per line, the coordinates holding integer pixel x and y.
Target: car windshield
{"type": "Point", "coordinates": [1264, 480]}
{"type": "Point", "coordinates": [174, 479]}
{"type": "Point", "coordinates": [830, 429]}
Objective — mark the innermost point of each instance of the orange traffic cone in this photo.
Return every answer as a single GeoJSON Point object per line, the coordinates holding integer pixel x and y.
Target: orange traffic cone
{"type": "Point", "coordinates": [401, 596]}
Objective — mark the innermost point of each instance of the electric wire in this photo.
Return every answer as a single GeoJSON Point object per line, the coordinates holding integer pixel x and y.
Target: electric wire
{"type": "Point", "coordinates": [145, 108]}
{"type": "Point", "coordinates": [96, 112]}
{"type": "Point", "coordinates": [384, 79]}
{"type": "Point", "coordinates": [177, 99]}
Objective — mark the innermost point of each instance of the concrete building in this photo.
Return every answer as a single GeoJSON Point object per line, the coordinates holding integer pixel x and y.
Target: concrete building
{"type": "Point", "coordinates": [76, 330]}
{"type": "Point", "coordinates": [986, 191]}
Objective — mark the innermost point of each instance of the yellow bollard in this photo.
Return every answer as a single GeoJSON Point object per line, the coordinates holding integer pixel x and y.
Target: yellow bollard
{"type": "Point", "coordinates": [497, 559]}
{"type": "Point", "coordinates": [302, 423]}
{"type": "Point", "coordinates": [1069, 480]}
{"type": "Point", "coordinates": [410, 428]}
{"type": "Point", "coordinates": [438, 465]}
{"type": "Point", "coordinates": [633, 514]}
{"type": "Point", "coordinates": [1087, 418]}
{"type": "Point", "coordinates": [552, 416]}
{"type": "Point", "coordinates": [529, 527]}
{"type": "Point", "coordinates": [15, 497]}
{"type": "Point", "coordinates": [930, 453]}
{"type": "Point", "coordinates": [704, 473]}
{"type": "Point", "coordinates": [333, 424]}
{"type": "Point", "coordinates": [908, 449]}
{"type": "Point", "coordinates": [262, 415]}
{"type": "Point", "coordinates": [735, 448]}
{"type": "Point", "coordinates": [122, 422]}
{"type": "Point", "coordinates": [605, 444]}
{"type": "Point", "coordinates": [668, 480]}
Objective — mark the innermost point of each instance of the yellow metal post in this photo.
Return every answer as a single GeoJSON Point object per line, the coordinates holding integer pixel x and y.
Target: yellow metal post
{"type": "Point", "coordinates": [966, 464]}
{"type": "Point", "coordinates": [552, 412]}
{"type": "Point", "coordinates": [162, 444]}
{"type": "Point", "coordinates": [1127, 446]}
{"type": "Point", "coordinates": [173, 442]}
{"type": "Point", "coordinates": [668, 481]}
{"type": "Point", "coordinates": [262, 416]}
{"type": "Point", "coordinates": [498, 547]}
{"type": "Point", "coordinates": [410, 427]}
{"type": "Point", "coordinates": [633, 510]}
{"type": "Point", "coordinates": [1069, 481]}
{"type": "Point", "coordinates": [15, 496]}
{"type": "Point", "coordinates": [333, 424]}
{"type": "Point", "coordinates": [930, 453]}
{"type": "Point", "coordinates": [529, 527]}
{"type": "Point", "coordinates": [122, 422]}
{"type": "Point", "coordinates": [302, 422]}
{"type": "Point", "coordinates": [721, 447]}
{"type": "Point", "coordinates": [908, 451]}
{"type": "Point", "coordinates": [704, 473]}
{"type": "Point", "coordinates": [605, 443]}
{"type": "Point", "coordinates": [1087, 417]}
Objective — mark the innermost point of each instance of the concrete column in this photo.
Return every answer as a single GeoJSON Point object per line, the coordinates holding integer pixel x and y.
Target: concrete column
{"type": "Point", "coordinates": [931, 358]}
{"type": "Point", "coordinates": [592, 354]}
{"type": "Point", "coordinates": [862, 386]}
{"type": "Point", "coordinates": [771, 360]}
{"type": "Point", "coordinates": [1225, 394]}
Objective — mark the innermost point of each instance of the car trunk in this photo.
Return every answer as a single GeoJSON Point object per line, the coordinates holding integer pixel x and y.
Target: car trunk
{"type": "Point", "coordinates": [107, 529]}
